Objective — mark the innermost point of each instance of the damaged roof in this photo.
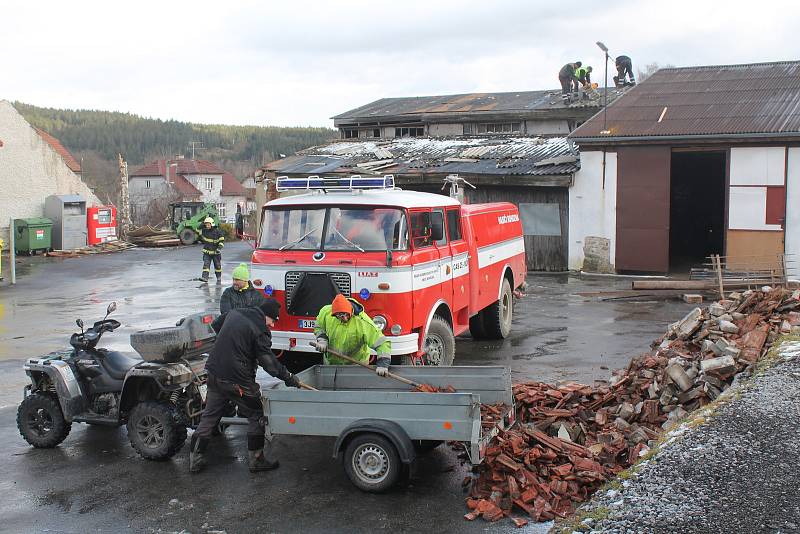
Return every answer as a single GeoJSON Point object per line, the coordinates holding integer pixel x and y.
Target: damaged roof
{"type": "Point", "coordinates": [535, 102]}
{"type": "Point", "coordinates": [512, 155]}
{"type": "Point", "coordinates": [760, 99]}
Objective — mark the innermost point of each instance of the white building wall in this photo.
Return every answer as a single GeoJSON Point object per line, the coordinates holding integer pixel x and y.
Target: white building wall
{"type": "Point", "coordinates": [593, 208]}
{"type": "Point", "coordinates": [793, 212]}
{"type": "Point", "coordinates": [752, 170]}
{"type": "Point", "coordinates": [547, 127]}
{"type": "Point", "coordinates": [435, 130]}
{"type": "Point", "coordinates": [30, 171]}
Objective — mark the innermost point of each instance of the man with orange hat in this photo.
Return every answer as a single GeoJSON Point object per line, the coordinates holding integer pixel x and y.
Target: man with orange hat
{"type": "Point", "coordinates": [346, 328]}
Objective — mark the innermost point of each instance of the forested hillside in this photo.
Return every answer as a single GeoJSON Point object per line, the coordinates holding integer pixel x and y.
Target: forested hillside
{"type": "Point", "coordinates": [95, 138]}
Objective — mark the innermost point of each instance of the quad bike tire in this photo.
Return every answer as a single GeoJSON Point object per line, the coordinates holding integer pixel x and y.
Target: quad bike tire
{"type": "Point", "coordinates": [188, 236]}
{"type": "Point", "coordinates": [41, 422]}
{"type": "Point", "coordinates": [155, 431]}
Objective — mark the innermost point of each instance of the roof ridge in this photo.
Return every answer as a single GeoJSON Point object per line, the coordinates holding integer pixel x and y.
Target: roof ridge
{"type": "Point", "coordinates": [728, 65]}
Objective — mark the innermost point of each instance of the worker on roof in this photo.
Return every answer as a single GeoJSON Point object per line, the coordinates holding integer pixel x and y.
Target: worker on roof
{"type": "Point", "coordinates": [344, 327]}
{"type": "Point", "coordinates": [213, 239]}
{"type": "Point", "coordinates": [566, 76]}
{"type": "Point", "coordinates": [624, 68]}
{"type": "Point", "coordinates": [241, 293]}
{"type": "Point", "coordinates": [583, 75]}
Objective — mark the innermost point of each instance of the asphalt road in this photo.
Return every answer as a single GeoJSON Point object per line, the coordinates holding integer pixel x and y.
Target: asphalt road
{"type": "Point", "coordinates": [94, 482]}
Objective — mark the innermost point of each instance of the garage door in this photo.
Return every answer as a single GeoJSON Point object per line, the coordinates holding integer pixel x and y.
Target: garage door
{"type": "Point", "coordinates": [643, 192]}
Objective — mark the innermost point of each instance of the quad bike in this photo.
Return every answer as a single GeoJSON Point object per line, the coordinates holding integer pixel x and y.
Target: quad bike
{"type": "Point", "coordinates": [158, 393]}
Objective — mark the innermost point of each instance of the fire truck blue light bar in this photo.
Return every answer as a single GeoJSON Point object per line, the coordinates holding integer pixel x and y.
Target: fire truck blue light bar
{"type": "Point", "coordinates": [355, 182]}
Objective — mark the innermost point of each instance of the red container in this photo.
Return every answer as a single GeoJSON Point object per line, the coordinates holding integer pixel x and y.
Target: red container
{"type": "Point", "coordinates": [101, 222]}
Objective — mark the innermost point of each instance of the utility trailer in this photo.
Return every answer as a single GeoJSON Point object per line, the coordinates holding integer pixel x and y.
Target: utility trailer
{"type": "Point", "coordinates": [381, 424]}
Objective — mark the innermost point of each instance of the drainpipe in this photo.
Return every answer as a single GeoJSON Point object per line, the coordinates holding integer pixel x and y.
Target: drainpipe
{"type": "Point", "coordinates": [604, 169]}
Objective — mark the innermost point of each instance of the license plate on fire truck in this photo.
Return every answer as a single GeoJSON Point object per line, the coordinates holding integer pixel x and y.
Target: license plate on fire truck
{"type": "Point", "coordinates": [306, 323]}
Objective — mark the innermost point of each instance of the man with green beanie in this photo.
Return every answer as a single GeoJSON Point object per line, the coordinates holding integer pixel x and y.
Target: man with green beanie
{"type": "Point", "coordinates": [241, 294]}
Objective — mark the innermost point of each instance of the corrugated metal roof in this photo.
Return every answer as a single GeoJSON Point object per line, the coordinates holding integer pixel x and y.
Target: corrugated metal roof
{"type": "Point", "coordinates": [519, 101]}
{"type": "Point", "coordinates": [466, 155]}
{"type": "Point", "coordinates": [762, 98]}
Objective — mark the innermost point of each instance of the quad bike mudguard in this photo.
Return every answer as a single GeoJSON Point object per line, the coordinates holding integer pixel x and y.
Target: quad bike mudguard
{"type": "Point", "coordinates": [63, 379]}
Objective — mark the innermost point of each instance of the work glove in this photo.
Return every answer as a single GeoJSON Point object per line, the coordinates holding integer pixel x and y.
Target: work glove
{"type": "Point", "coordinates": [322, 344]}
{"type": "Point", "coordinates": [382, 365]}
{"type": "Point", "coordinates": [292, 382]}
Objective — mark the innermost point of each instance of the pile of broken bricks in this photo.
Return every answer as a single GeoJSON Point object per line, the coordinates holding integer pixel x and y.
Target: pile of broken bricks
{"type": "Point", "coordinates": [572, 438]}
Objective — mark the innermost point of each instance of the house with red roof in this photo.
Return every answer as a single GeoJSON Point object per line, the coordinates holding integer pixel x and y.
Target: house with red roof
{"type": "Point", "coordinates": [161, 182]}
{"type": "Point", "coordinates": [33, 166]}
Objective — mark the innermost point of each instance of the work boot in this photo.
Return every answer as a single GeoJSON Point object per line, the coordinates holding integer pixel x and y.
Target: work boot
{"type": "Point", "coordinates": [257, 461]}
{"type": "Point", "coordinates": [219, 279]}
{"type": "Point", "coordinates": [197, 456]}
{"type": "Point", "coordinates": [204, 277]}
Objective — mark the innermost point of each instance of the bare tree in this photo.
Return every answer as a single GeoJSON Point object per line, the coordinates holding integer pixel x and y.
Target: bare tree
{"type": "Point", "coordinates": [650, 69]}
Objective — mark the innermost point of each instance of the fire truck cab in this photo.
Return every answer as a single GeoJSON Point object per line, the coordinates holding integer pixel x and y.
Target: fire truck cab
{"type": "Point", "coordinates": [424, 267]}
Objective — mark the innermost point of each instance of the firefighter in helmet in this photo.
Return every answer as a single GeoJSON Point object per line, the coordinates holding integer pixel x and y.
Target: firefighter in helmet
{"type": "Point", "coordinates": [213, 239]}
{"type": "Point", "coordinates": [345, 327]}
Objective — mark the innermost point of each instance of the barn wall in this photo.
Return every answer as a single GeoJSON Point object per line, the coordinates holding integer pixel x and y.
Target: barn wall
{"type": "Point", "coordinates": [543, 252]}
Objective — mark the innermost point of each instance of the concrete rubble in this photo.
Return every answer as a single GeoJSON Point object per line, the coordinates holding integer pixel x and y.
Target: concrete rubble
{"type": "Point", "coordinates": [571, 438]}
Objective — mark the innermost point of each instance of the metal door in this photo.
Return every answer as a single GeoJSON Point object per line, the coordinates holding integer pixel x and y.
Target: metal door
{"type": "Point", "coordinates": [643, 196]}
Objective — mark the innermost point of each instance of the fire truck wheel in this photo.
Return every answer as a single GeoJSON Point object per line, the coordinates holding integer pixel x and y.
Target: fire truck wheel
{"type": "Point", "coordinates": [440, 344]}
{"type": "Point", "coordinates": [476, 328]}
{"type": "Point", "coordinates": [497, 317]}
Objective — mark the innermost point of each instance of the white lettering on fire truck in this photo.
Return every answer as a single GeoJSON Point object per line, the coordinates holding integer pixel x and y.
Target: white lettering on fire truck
{"type": "Point", "coordinates": [510, 218]}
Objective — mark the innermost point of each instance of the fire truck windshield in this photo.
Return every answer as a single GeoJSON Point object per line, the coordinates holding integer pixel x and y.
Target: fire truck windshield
{"type": "Point", "coordinates": [346, 229]}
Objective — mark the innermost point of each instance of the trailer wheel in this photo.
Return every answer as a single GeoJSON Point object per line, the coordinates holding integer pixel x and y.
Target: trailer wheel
{"type": "Point", "coordinates": [40, 421]}
{"type": "Point", "coordinates": [154, 430]}
{"type": "Point", "coordinates": [188, 236]}
{"type": "Point", "coordinates": [497, 316]}
{"type": "Point", "coordinates": [372, 463]}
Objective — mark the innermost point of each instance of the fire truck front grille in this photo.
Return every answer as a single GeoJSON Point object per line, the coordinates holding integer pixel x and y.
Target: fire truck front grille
{"type": "Point", "coordinates": [342, 281]}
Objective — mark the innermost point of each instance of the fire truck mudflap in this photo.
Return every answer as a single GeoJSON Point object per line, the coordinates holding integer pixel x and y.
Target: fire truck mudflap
{"type": "Point", "coordinates": [425, 267]}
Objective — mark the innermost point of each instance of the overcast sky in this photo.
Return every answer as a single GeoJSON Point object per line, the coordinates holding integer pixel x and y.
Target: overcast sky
{"type": "Point", "coordinates": [300, 62]}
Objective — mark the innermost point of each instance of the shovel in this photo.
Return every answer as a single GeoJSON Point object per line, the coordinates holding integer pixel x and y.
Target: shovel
{"type": "Point", "coordinates": [362, 364]}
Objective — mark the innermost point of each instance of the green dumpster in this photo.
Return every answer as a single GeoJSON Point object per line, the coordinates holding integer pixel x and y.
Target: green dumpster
{"type": "Point", "coordinates": [32, 234]}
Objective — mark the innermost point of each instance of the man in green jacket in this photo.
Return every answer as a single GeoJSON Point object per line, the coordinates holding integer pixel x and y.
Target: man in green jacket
{"type": "Point", "coordinates": [241, 294]}
{"type": "Point", "coordinates": [346, 328]}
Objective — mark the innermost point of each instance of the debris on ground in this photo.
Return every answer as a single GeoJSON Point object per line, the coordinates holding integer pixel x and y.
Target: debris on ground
{"type": "Point", "coordinates": [147, 236]}
{"type": "Point", "coordinates": [106, 247]}
{"type": "Point", "coordinates": [571, 438]}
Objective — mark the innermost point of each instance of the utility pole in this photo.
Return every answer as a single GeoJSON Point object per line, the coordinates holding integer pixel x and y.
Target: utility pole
{"type": "Point", "coordinates": [124, 200]}
{"type": "Point", "coordinates": [196, 145]}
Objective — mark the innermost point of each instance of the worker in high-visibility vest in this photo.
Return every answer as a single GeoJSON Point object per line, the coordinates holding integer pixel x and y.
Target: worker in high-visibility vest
{"type": "Point", "coordinates": [213, 239]}
{"type": "Point", "coordinates": [344, 327]}
{"type": "Point", "coordinates": [583, 74]}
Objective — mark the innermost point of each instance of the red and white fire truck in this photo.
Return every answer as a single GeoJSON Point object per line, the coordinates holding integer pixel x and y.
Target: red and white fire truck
{"type": "Point", "coordinates": [424, 266]}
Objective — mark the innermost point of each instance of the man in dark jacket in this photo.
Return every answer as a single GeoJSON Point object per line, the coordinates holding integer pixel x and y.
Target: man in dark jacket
{"type": "Point", "coordinates": [243, 341]}
{"type": "Point", "coordinates": [213, 239]}
{"type": "Point", "coordinates": [241, 294]}
{"type": "Point", "coordinates": [566, 76]}
{"type": "Point", "coordinates": [624, 67]}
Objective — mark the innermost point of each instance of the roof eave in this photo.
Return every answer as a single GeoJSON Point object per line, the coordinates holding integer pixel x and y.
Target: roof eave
{"type": "Point", "coordinates": [602, 140]}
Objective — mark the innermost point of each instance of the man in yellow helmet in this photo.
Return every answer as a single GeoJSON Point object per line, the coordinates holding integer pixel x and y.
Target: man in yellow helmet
{"type": "Point", "coordinates": [213, 240]}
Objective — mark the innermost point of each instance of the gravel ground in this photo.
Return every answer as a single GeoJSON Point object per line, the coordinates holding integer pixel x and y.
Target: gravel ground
{"type": "Point", "coordinates": [738, 472]}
